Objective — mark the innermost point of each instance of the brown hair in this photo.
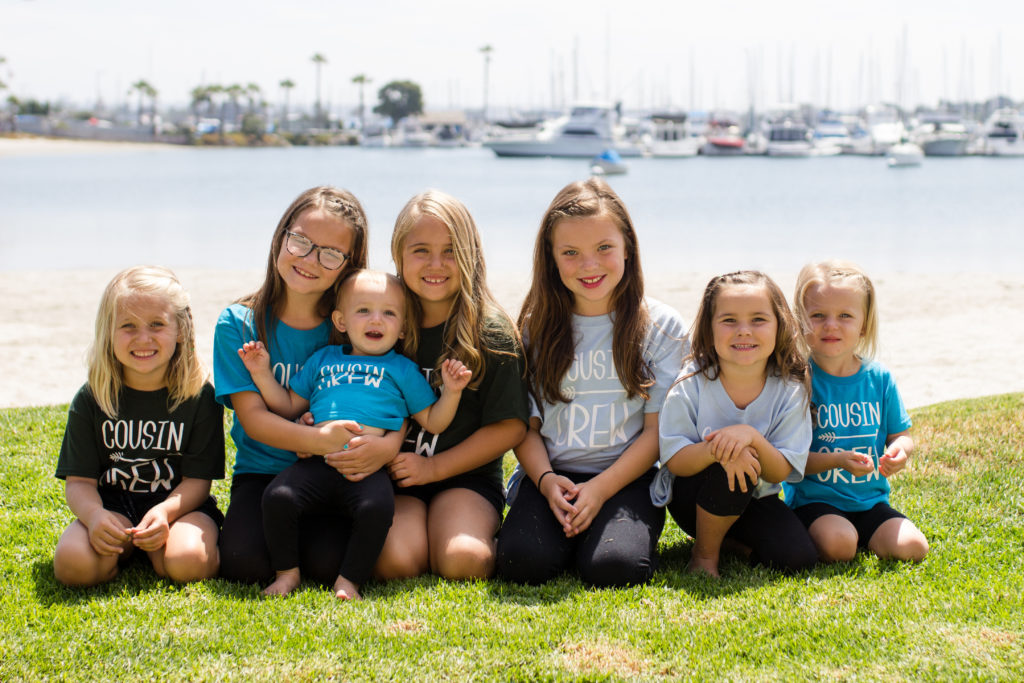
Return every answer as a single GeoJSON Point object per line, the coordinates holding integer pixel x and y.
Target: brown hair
{"type": "Point", "coordinates": [476, 321]}
{"type": "Point", "coordinates": [786, 360]}
{"type": "Point", "coordinates": [547, 310]}
{"type": "Point", "coordinates": [266, 302]}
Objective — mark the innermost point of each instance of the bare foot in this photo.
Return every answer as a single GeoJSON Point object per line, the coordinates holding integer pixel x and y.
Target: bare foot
{"type": "Point", "coordinates": [346, 590]}
{"type": "Point", "coordinates": [704, 565]}
{"type": "Point", "coordinates": [286, 581]}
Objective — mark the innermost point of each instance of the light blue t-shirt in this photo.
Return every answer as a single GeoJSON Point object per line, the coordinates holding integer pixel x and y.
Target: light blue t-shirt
{"type": "Point", "coordinates": [289, 348]}
{"type": "Point", "coordinates": [697, 406]}
{"type": "Point", "coordinates": [379, 391]}
{"type": "Point", "coordinates": [589, 433]}
{"type": "Point", "coordinates": [855, 413]}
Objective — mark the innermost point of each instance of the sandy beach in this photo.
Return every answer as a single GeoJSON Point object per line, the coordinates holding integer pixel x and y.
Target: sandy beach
{"type": "Point", "coordinates": [944, 336]}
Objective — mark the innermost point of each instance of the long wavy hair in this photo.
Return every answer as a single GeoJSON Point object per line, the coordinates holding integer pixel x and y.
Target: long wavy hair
{"type": "Point", "coordinates": [845, 274]}
{"type": "Point", "coordinates": [476, 321]}
{"type": "Point", "coordinates": [185, 373]}
{"type": "Point", "coordinates": [267, 301]}
{"type": "Point", "coordinates": [786, 360]}
{"type": "Point", "coordinates": [546, 315]}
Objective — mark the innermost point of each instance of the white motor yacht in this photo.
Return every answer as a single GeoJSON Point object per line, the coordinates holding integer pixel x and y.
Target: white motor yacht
{"type": "Point", "coordinates": [789, 137]}
{"type": "Point", "coordinates": [669, 136]}
{"type": "Point", "coordinates": [942, 135]}
{"type": "Point", "coordinates": [585, 132]}
{"type": "Point", "coordinates": [1004, 133]}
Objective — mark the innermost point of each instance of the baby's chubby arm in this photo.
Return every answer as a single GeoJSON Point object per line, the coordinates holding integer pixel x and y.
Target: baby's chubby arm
{"type": "Point", "coordinates": [284, 402]}
{"type": "Point", "coordinates": [454, 378]}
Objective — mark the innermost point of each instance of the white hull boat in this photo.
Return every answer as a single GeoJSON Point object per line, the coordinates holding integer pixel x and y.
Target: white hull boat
{"type": "Point", "coordinates": [904, 154]}
{"type": "Point", "coordinates": [587, 131]}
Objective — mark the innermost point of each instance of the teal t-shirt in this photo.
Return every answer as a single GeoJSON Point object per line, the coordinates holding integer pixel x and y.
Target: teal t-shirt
{"type": "Point", "coordinates": [289, 348]}
{"type": "Point", "coordinates": [379, 391]}
{"type": "Point", "coordinates": [855, 413]}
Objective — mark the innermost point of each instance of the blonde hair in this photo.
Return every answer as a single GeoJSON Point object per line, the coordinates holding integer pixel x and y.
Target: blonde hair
{"type": "Point", "coordinates": [841, 273]}
{"type": "Point", "coordinates": [546, 315]}
{"type": "Point", "coordinates": [266, 302]}
{"type": "Point", "coordinates": [786, 360]}
{"type": "Point", "coordinates": [476, 321]}
{"type": "Point", "coordinates": [185, 373]}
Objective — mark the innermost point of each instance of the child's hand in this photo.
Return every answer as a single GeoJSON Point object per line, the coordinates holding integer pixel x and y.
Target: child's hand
{"type": "Point", "coordinates": [106, 535]}
{"type": "Point", "coordinates": [454, 375]}
{"type": "Point", "coordinates": [559, 492]}
{"type": "Point", "coordinates": [337, 433]}
{"type": "Point", "coordinates": [588, 503]}
{"type": "Point", "coordinates": [739, 469]}
{"type": "Point", "coordinates": [857, 464]}
{"type": "Point", "coordinates": [151, 533]}
{"type": "Point", "coordinates": [411, 469]}
{"type": "Point", "coordinates": [728, 443]}
{"type": "Point", "coordinates": [892, 461]}
{"type": "Point", "coordinates": [254, 357]}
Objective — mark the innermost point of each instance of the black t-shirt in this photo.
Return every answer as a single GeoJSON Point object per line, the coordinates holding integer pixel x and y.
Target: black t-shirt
{"type": "Point", "coordinates": [502, 395]}
{"type": "Point", "coordinates": [146, 448]}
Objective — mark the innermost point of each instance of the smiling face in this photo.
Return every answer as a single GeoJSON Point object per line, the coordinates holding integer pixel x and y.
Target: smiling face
{"type": "Point", "coordinates": [744, 327]}
{"type": "Point", "coordinates": [372, 312]}
{"type": "Point", "coordinates": [303, 275]}
{"type": "Point", "coordinates": [590, 254]}
{"type": "Point", "coordinates": [429, 268]}
{"type": "Point", "coordinates": [836, 317]}
{"type": "Point", "coordinates": [145, 337]}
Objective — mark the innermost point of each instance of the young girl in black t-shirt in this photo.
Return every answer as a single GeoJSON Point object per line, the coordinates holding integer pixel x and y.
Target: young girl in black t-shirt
{"type": "Point", "coordinates": [144, 438]}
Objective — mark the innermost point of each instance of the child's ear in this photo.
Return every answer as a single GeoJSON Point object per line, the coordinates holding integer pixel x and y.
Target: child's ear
{"type": "Point", "coordinates": [339, 320]}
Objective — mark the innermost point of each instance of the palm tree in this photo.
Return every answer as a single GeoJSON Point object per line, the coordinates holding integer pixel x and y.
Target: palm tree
{"type": "Point", "coordinates": [318, 59]}
{"type": "Point", "coordinates": [201, 97]}
{"type": "Point", "coordinates": [486, 50]}
{"type": "Point", "coordinates": [145, 90]}
{"type": "Point", "coordinates": [286, 85]}
{"type": "Point", "coordinates": [361, 80]}
{"type": "Point", "coordinates": [234, 92]}
{"type": "Point", "coordinates": [252, 91]}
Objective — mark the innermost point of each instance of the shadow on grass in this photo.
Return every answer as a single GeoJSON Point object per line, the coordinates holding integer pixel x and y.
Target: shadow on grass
{"type": "Point", "coordinates": [135, 577]}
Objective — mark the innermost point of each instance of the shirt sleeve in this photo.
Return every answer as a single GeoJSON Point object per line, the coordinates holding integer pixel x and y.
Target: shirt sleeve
{"type": "Point", "coordinates": [792, 432]}
{"type": "Point", "coordinates": [229, 373]}
{"type": "Point", "coordinates": [304, 381]}
{"type": "Point", "coordinates": [896, 418]}
{"type": "Point", "coordinates": [503, 392]}
{"type": "Point", "coordinates": [416, 390]}
{"type": "Point", "coordinates": [203, 456]}
{"type": "Point", "coordinates": [677, 423]}
{"type": "Point", "coordinates": [79, 452]}
{"type": "Point", "coordinates": [667, 345]}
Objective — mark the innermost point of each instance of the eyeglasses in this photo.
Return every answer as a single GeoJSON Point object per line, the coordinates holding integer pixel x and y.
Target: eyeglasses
{"type": "Point", "coordinates": [298, 245]}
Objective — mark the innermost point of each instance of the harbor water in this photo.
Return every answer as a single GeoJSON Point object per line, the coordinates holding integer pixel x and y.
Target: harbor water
{"type": "Point", "coordinates": [216, 208]}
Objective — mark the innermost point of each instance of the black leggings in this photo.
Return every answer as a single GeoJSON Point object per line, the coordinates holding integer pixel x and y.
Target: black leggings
{"type": "Point", "coordinates": [776, 537]}
{"type": "Point", "coordinates": [618, 549]}
{"type": "Point", "coordinates": [243, 548]}
{"type": "Point", "coordinates": [313, 486]}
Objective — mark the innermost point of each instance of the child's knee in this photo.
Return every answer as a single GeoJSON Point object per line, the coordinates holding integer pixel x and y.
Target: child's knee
{"type": "Point", "coordinates": [81, 567]}
{"type": "Point", "coordinates": [912, 549]}
{"type": "Point", "coordinates": [465, 557]}
{"type": "Point", "coordinates": [193, 563]}
{"type": "Point", "coordinates": [838, 547]}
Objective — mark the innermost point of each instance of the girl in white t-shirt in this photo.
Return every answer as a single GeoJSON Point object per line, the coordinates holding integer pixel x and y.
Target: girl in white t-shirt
{"type": "Point", "coordinates": [601, 358]}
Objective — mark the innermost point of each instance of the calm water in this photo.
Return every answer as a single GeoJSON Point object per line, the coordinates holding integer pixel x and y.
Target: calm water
{"type": "Point", "coordinates": [217, 207]}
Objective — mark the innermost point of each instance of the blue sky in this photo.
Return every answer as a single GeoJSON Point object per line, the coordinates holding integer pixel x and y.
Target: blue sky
{"type": "Point", "coordinates": [644, 52]}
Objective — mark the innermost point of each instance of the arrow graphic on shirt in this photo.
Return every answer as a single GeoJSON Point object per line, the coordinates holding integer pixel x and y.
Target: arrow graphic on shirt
{"type": "Point", "coordinates": [832, 437]}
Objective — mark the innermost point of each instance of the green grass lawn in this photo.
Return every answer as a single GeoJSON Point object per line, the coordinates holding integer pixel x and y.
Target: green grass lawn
{"type": "Point", "coordinates": [958, 615]}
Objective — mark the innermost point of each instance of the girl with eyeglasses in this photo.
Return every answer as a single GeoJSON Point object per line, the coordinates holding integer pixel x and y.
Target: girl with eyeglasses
{"type": "Point", "coordinates": [321, 236]}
